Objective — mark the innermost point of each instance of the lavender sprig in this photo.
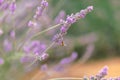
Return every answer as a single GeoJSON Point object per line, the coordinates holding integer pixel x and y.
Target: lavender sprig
{"type": "Point", "coordinates": [58, 38]}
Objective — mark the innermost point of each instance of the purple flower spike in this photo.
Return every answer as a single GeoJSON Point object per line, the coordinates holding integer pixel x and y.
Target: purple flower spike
{"type": "Point", "coordinates": [70, 19]}
{"type": "Point", "coordinates": [12, 7]}
{"type": "Point", "coordinates": [1, 1]}
{"type": "Point", "coordinates": [1, 61]}
{"type": "Point", "coordinates": [63, 29]}
{"type": "Point", "coordinates": [40, 9]}
{"type": "Point", "coordinates": [102, 73]}
{"type": "Point", "coordinates": [44, 3]}
{"type": "Point", "coordinates": [74, 55]}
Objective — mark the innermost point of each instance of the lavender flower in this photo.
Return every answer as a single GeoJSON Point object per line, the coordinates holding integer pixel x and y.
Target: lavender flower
{"type": "Point", "coordinates": [34, 47]}
{"type": "Point", "coordinates": [60, 16]}
{"type": "Point", "coordinates": [40, 9]}
{"type": "Point", "coordinates": [68, 22]}
{"type": "Point", "coordinates": [32, 24]}
{"type": "Point", "coordinates": [1, 1]}
{"type": "Point", "coordinates": [70, 59]}
{"type": "Point", "coordinates": [5, 6]}
{"type": "Point", "coordinates": [12, 34]}
{"type": "Point", "coordinates": [102, 73]}
{"type": "Point", "coordinates": [12, 7]}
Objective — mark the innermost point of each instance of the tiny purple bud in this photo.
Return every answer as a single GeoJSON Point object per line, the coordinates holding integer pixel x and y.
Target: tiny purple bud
{"type": "Point", "coordinates": [82, 14]}
{"type": "Point", "coordinates": [70, 19]}
{"type": "Point", "coordinates": [12, 7]}
{"type": "Point", "coordinates": [90, 8]}
{"type": "Point", "coordinates": [44, 3]}
{"type": "Point", "coordinates": [63, 29]}
{"type": "Point", "coordinates": [12, 34]}
{"type": "Point", "coordinates": [32, 24]}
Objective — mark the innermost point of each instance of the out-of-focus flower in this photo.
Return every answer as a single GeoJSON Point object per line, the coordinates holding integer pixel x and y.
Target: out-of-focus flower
{"type": "Point", "coordinates": [12, 34]}
{"type": "Point", "coordinates": [12, 6]}
{"type": "Point", "coordinates": [60, 16]}
{"type": "Point", "coordinates": [1, 61]}
{"type": "Point", "coordinates": [1, 1]}
{"type": "Point", "coordinates": [40, 9]}
{"type": "Point", "coordinates": [69, 21]}
{"type": "Point", "coordinates": [32, 24]}
{"type": "Point", "coordinates": [65, 61]}
{"type": "Point", "coordinates": [7, 45]}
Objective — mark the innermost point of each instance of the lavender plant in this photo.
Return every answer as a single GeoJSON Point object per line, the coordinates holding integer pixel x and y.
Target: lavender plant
{"type": "Point", "coordinates": [19, 41]}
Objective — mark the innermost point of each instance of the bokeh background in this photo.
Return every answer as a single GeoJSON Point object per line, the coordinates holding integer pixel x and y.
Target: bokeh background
{"type": "Point", "coordinates": [96, 38]}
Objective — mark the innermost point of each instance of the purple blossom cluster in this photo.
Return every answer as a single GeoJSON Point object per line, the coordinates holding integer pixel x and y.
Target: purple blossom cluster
{"type": "Point", "coordinates": [101, 75]}
{"type": "Point", "coordinates": [38, 13]}
{"type": "Point", "coordinates": [58, 38]}
{"type": "Point", "coordinates": [35, 49]}
{"type": "Point", "coordinates": [8, 5]}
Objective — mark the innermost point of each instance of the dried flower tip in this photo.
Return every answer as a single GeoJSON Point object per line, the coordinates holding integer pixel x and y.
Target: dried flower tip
{"type": "Point", "coordinates": [90, 8]}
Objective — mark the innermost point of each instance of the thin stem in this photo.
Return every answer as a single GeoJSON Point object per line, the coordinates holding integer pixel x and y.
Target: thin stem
{"type": "Point", "coordinates": [23, 39]}
{"type": "Point", "coordinates": [39, 33]}
{"type": "Point", "coordinates": [67, 78]}
{"type": "Point", "coordinates": [49, 47]}
{"type": "Point", "coordinates": [45, 30]}
{"type": "Point", "coordinates": [37, 57]}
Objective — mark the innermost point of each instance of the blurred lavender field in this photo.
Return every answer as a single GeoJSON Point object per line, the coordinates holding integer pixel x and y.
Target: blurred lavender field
{"type": "Point", "coordinates": [41, 39]}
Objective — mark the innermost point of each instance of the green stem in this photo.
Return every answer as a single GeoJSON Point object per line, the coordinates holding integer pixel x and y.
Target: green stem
{"type": "Point", "coordinates": [45, 30]}
{"type": "Point", "coordinates": [67, 78]}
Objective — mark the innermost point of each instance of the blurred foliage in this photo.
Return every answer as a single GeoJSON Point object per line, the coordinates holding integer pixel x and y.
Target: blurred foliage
{"type": "Point", "coordinates": [104, 21]}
